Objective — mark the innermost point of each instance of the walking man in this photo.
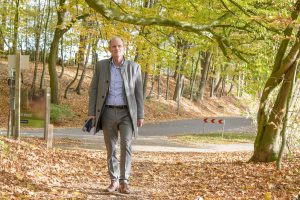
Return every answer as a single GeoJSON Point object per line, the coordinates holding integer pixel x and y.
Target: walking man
{"type": "Point", "coordinates": [116, 104]}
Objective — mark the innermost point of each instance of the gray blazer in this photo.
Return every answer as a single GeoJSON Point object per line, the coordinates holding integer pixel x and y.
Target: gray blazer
{"type": "Point", "coordinates": [132, 78]}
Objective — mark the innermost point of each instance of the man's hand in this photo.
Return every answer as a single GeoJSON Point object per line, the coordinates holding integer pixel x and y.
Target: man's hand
{"type": "Point", "coordinates": [140, 122]}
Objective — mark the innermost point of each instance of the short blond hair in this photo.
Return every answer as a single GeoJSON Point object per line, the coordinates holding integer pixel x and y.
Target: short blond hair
{"type": "Point", "coordinates": [114, 38]}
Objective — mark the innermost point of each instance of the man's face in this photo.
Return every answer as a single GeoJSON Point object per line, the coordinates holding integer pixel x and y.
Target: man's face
{"type": "Point", "coordinates": [116, 48]}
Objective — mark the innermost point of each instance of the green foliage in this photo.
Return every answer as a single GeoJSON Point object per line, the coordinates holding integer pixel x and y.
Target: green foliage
{"type": "Point", "coordinates": [58, 112]}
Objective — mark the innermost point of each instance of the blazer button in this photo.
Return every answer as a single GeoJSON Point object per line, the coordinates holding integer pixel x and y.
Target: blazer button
{"type": "Point", "coordinates": [106, 81]}
{"type": "Point", "coordinates": [102, 97]}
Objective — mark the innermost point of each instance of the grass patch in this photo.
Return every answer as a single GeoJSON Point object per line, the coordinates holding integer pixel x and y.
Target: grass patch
{"type": "Point", "coordinates": [216, 138]}
{"type": "Point", "coordinates": [58, 112]}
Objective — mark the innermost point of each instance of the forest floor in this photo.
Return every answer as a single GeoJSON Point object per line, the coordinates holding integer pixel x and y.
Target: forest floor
{"type": "Point", "coordinates": [29, 170]}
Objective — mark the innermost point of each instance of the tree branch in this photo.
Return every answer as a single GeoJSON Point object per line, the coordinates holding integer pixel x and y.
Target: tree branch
{"type": "Point", "coordinates": [112, 14]}
{"type": "Point", "coordinates": [73, 21]}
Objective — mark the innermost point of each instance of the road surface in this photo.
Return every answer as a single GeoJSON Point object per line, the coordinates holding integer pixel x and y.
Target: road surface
{"type": "Point", "coordinates": [154, 136]}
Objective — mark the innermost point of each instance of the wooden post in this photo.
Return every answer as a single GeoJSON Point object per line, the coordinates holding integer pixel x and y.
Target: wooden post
{"type": "Point", "coordinates": [11, 84]}
{"type": "Point", "coordinates": [47, 112]}
{"type": "Point", "coordinates": [239, 86]}
{"type": "Point", "coordinates": [50, 136]}
{"type": "Point", "coordinates": [223, 129]}
{"type": "Point", "coordinates": [17, 93]}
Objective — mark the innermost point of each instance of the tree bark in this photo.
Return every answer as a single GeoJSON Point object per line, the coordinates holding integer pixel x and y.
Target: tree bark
{"type": "Point", "coordinates": [205, 63]}
{"type": "Point", "coordinates": [158, 82]}
{"type": "Point", "coordinates": [231, 85]}
{"type": "Point", "coordinates": [270, 117]}
{"type": "Point", "coordinates": [178, 60]}
{"type": "Point", "coordinates": [42, 82]}
{"type": "Point", "coordinates": [193, 79]}
{"type": "Point", "coordinates": [38, 20]}
{"type": "Point", "coordinates": [72, 82]}
{"type": "Point", "coordinates": [216, 88]}
{"type": "Point", "coordinates": [168, 84]}
{"type": "Point", "coordinates": [286, 117]}
{"type": "Point", "coordinates": [3, 27]}
{"type": "Point", "coordinates": [78, 88]}
{"type": "Point", "coordinates": [145, 82]}
{"type": "Point", "coordinates": [152, 86]}
{"type": "Point", "coordinates": [16, 27]}
{"type": "Point", "coordinates": [267, 143]}
{"type": "Point", "coordinates": [62, 57]}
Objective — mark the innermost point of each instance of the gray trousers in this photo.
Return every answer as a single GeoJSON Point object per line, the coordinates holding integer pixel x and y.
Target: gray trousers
{"type": "Point", "coordinates": [116, 120]}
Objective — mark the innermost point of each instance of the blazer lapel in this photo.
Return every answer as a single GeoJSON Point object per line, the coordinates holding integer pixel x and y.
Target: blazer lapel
{"type": "Point", "coordinates": [125, 76]}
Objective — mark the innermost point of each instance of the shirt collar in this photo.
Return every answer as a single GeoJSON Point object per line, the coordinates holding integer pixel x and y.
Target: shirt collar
{"type": "Point", "coordinates": [113, 64]}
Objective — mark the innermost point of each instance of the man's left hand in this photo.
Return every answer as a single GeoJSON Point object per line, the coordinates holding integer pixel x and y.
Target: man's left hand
{"type": "Point", "coordinates": [140, 122]}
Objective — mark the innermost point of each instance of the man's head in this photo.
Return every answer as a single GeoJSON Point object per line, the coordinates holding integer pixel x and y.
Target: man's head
{"type": "Point", "coordinates": [116, 47]}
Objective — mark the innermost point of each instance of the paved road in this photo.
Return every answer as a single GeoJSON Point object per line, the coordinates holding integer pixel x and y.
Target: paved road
{"type": "Point", "coordinates": [154, 136]}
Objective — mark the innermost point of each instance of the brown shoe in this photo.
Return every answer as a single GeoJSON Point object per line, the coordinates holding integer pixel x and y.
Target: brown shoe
{"type": "Point", "coordinates": [114, 186]}
{"type": "Point", "coordinates": [124, 188]}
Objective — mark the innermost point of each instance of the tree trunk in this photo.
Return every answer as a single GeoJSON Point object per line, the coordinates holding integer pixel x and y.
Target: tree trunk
{"type": "Point", "coordinates": [37, 46]}
{"type": "Point", "coordinates": [80, 59]}
{"type": "Point", "coordinates": [72, 82]}
{"type": "Point", "coordinates": [212, 86]}
{"type": "Point", "coordinates": [286, 117]}
{"type": "Point", "coordinates": [16, 27]}
{"type": "Point", "coordinates": [270, 116]}
{"type": "Point", "coordinates": [179, 94]}
{"type": "Point", "coordinates": [267, 143]}
{"type": "Point", "coordinates": [58, 33]}
{"type": "Point", "coordinates": [205, 63]}
{"type": "Point", "coordinates": [42, 82]}
{"type": "Point", "coordinates": [178, 60]}
{"type": "Point", "coordinates": [194, 76]}
{"type": "Point", "coordinates": [3, 27]}
{"type": "Point", "coordinates": [51, 68]}
{"type": "Point", "coordinates": [158, 82]}
{"type": "Point", "coordinates": [168, 84]}
{"type": "Point", "coordinates": [145, 82]}
{"type": "Point", "coordinates": [216, 88]}
{"type": "Point", "coordinates": [231, 85]}
{"type": "Point", "coordinates": [181, 65]}
{"type": "Point", "coordinates": [152, 86]}
{"type": "Point", "coordinates": [94, 52]}
{"type": "Point", "coordinates": [223, 86]}
{"type": "Point", "coordinates": [239, 87]}
{"type": "Point", "coordinates": [62, 57]}
{"type": "Point", "coordinates": [78, 88]}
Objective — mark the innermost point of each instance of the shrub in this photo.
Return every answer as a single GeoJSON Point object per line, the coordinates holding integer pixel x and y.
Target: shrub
{"type": "Point", "coordinates": [58, 112]}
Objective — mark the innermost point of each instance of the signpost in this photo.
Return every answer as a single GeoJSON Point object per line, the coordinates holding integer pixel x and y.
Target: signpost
{"type": "Point", "coordinates": [214, 121]}
{"type": "Point", "coordinates": [14, 81]}
{"type": "Point", "coordinates": [36, 111]}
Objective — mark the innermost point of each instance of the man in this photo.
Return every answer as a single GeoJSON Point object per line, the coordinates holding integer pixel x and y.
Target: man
{"type": "Point", "coordinates": [116, 104]}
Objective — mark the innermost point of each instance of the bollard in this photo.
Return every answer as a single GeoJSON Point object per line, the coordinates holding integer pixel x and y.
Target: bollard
{"type": "Point", "coordinates": [50, 136]}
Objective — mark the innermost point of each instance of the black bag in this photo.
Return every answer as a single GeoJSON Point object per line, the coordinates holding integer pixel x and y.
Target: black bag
{"type": "Point", "coordinates": [88, 125]}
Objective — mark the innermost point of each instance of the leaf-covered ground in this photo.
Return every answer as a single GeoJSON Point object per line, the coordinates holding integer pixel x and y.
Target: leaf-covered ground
{"type": "Point", "coordinates": [29, 171]}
